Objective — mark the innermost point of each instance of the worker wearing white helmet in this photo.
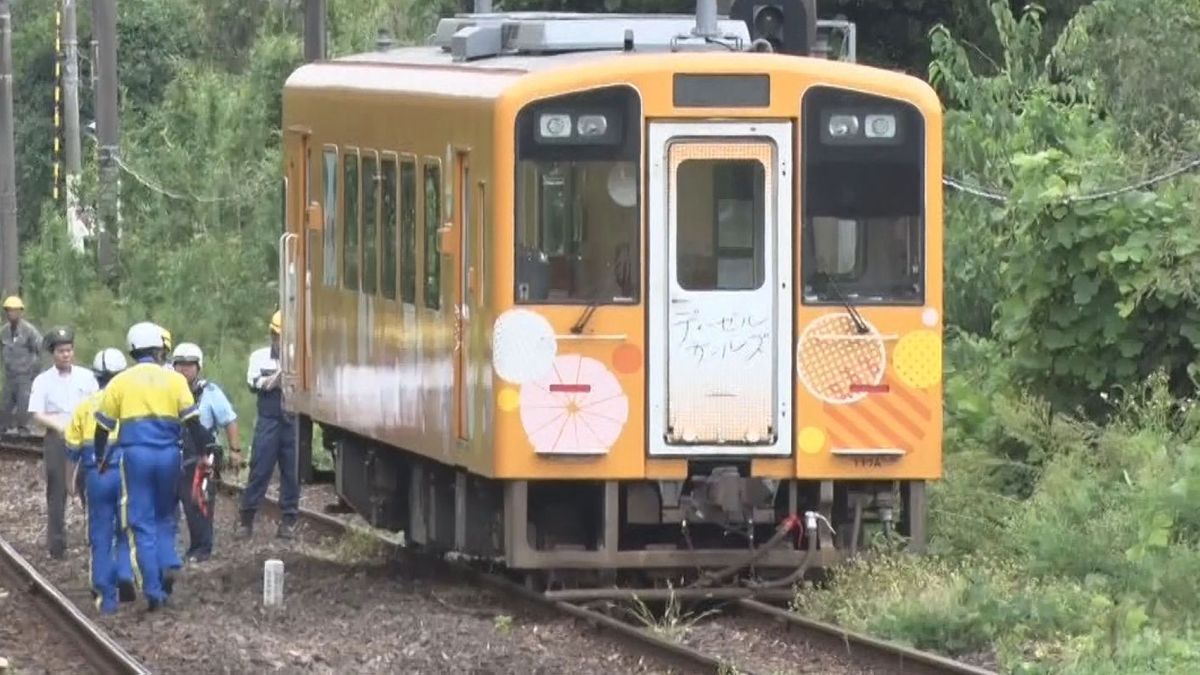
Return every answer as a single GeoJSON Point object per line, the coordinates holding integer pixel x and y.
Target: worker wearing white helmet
{"type": "Point", "coordinates": [152, 406]}
{"type": "Point", "coordinates": [112, 569]}
{"type": "Point", "coordinates": [20, 347]}
{"type": "Point", "coordinates": [197, 484]}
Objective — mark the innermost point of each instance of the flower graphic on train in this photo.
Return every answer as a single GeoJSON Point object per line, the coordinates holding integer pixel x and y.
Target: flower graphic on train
{"type": "Point", "coordinates": [579, 408]}
{"type": "Point", "coordinates": [523, 346]}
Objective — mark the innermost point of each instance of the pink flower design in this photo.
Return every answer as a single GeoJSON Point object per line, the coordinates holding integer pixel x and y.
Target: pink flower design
{"type": "Point", "coordinates": [579, 408]}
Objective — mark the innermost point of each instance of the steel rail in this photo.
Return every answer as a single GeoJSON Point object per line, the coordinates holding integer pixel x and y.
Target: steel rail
{"type": "Point", "coordinates": [102, 653]}
{"type": "Point", "coordinates": [890, 655]}
{"type": "Point", "coordinates": [634, 639]}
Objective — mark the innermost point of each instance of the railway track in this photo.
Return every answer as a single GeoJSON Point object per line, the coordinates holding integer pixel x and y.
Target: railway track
{"type": "Point", "coordinates": [852, 652]}
{"type": "Point", "coordinates": [100, 652]}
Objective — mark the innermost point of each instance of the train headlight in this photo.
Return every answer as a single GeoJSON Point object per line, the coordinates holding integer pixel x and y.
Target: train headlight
{"type": "Point", "coordinates": [880, 126]}
{"type": "Point", "coordinates": [552, 125]}
{"type": "Point", "coordinates": [842, 126]}
{"type": "Point", "coordinates": [590, 126]}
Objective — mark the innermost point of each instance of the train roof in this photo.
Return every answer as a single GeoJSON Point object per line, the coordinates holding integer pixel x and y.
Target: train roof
{"type": "Point", "coordinates": [479, 56]}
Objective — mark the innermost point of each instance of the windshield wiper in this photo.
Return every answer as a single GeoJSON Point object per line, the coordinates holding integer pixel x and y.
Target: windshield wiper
{"type": "Point", "coordinates": [859, 324]}
{"type": "Point", "coordinates": [583, 319]}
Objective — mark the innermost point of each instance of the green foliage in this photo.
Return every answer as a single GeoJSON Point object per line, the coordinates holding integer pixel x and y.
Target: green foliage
{"type": "Point", "coordinates": [200, 198]}
{"type": "Point", "coordinates": [1097, 564]}
{"type": "Point", "coordinates": [1136, 60]}
{"type": "Point", "coordinates": [1088, 293]}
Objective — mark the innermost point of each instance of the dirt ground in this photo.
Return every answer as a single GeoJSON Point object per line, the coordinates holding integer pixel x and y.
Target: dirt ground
{"type": "Point", "coordinates": [347, 609]}
{"type": "Point", "coordinates": [28, 643]}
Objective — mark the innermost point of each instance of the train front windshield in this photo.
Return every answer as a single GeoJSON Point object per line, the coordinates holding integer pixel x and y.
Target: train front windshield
{"type": "Point", "coordinates": [577, 199]}
{"type": "Point", "coordinates": [863, 204]}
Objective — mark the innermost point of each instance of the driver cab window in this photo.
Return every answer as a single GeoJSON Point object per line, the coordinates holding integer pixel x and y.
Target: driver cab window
{"type": "Point", "coordinates": [578, 216]}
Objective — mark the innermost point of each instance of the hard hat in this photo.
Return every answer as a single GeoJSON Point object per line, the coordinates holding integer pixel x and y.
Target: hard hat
{"type": "Point", "coordinates": [109, 362]}
{"type": "Point", "coordinates": [58, 336]}
{"type": "Point", "coordinates": [13, 302]}
{"type": "Point", "coordinates": [276, 322]}
{"type": "Point", "coordinates": [144, 335]}
{"type": "Point", "coordinates": [166, 338]}
{"type": "Point", "coordinates": [186, 352]}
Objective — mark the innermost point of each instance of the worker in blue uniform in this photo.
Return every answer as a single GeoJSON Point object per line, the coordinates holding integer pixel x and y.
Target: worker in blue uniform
{"type": "Point", "coordinates": [111, 568]}
{"type": "Point", "coordinates": [152, 405]}
{"type": "Point", "coordinates": [216, 413]}
{"type": "Point", "coordinates": [274, 441]}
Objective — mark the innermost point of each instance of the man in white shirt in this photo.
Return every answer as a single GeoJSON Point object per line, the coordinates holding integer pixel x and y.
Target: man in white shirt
{"type": "Point", "coordinates": [53, 398]}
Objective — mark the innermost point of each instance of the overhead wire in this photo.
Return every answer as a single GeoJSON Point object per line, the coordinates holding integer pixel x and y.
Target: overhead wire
{"type": "Point", "coordinates": [989, 194]}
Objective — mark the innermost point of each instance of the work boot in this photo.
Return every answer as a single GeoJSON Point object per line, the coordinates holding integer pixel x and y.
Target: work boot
{"type": "Point", "coordinates": [168, 581]}
{"type": "Point", "coordinates": [287, 530]}
{"type": "Point", "coordinates": [126, 592]}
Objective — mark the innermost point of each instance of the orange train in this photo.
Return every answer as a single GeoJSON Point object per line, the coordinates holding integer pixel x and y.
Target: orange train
{"type": "Point", "coordinates": [600, 292]}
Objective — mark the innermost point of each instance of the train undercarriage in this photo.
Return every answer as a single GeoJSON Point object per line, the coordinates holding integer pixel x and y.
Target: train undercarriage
{"type": "Point", "coordinates": [719, 527]}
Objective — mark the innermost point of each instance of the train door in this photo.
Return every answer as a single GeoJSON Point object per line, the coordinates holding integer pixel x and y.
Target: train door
{"type": "Point", "coordinates": [293, 244]}
{"type": "Point", "coordinates": [463, 382]}
{"type": "Point", "coordinates": [720, 265]}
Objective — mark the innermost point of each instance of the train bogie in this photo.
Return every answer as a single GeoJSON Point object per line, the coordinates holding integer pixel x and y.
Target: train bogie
{"type": "Point", "coordinates": [605, 310]}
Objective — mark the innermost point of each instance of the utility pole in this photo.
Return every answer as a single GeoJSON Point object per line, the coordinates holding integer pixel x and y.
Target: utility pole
{"type": "Point", "coordinates": [314, 31]}
{"type": "Point", "coordinates": [75, 225]}
{"type": "Point", "coordinates": [108, 133]}
{"type": "Point", "coordinates": [10, 259]}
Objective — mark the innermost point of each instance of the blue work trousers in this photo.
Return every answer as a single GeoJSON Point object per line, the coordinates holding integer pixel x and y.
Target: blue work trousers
{"type": "Point", "coordinates": [110, 564]}
{"type": "Point", "coordinates": [274, 443]}
{"type": "Point", "coordinates": [149, 485]}
{"type": "Point", "coordinates": [200, 526]}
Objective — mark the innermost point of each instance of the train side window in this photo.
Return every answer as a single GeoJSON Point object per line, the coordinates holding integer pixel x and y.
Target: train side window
{"type": "Point", "coordinates": [352, 197]}
{"type": "Point", "coordinates": [370, 170]}
{"type": "Point", "coordinates": [433, 220]}
{"type": "Point", "coordinates": [408, 231]}
{"type": "Point", "coordinates": [388, 215]}
{"type": "Point", "coordinates": [329, 177]}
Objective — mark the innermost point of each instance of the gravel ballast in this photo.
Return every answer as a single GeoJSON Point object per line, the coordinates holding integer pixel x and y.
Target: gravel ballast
{"type": "Point", "coordinates": [345, 611]}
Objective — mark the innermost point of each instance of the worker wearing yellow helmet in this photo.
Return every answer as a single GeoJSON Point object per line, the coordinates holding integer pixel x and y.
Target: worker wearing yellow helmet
{"type": "Point", "coordinates": [274, 440]}
{"type": "Point", "coordinates": [20, 351]}
{"type": "Point", "coordinates": [166, 361]}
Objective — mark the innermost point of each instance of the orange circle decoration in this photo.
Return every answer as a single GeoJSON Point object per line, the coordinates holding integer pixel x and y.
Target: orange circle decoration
{"type": "Point", "coordinates": [627, 359]}
{"type": "Point", "coordinates": [832, 356]}
{"type": "Point", "coordinates": [508, 400]}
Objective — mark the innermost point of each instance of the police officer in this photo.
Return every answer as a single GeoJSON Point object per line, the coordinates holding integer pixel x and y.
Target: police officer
{"type": "Point", "coordinates": [112, 570]}
{"type": "Point", "coordinates": [20, 343]}
{"type": "Point", "coordinates": [215, 413]}
{"type": "Point", "coordinates": [52, 399]}
{"type": "Point", "coordinates": [274, 436]}
{"type": "Point", "coordinates": [150, 404]}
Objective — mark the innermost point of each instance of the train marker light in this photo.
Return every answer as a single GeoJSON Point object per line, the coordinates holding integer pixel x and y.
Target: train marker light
{"type": "Point", "coordinates": [555, 126]}
{"type": "Point", "coordinates": [592, 125]}
{"type": "Point", "coordinates": [841, 126]}
{"type": "Point", "coordinates": [880, 126]}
